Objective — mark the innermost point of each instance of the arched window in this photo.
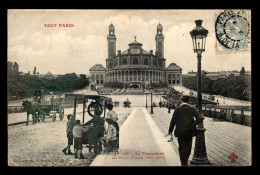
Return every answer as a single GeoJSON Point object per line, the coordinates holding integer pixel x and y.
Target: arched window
{"type": "Point", "coordinates": [93, 77]}
{"type": "Point", "coordinates": [146, 61]}
{"type": "Point", "coordinates": [101, 79]}
{"type": "Point", "coordinates": [111, 65]}
{"type": "Point", "coordinates": [169, 79]}
{"type": "Point", "coordinates": [135, 61]}
{"type": "Point", "coordinates": [97, 78]}
{"type": "Point", "coordinates": [124, 61]}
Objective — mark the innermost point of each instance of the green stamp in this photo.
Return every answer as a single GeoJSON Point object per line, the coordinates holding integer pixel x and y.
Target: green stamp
{"type": "Point", "coordinates": [232, 31]}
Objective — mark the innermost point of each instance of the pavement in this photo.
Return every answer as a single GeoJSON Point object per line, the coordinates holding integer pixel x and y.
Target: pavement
{"type": "Point", "coordinates": [141, 144]}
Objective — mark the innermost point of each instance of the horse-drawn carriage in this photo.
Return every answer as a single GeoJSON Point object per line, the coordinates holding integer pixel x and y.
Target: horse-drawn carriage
{"type": "Point", "coordinates": [40, 110]}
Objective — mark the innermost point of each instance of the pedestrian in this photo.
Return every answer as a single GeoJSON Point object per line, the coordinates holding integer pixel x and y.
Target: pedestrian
{"type": "Point", "coordinates": [183, 119]}
{"type": "Point", "coordinates": [69, 128]}
{"type": "Point", "coordinates": [78, 130]}
{"type": "Point", "coordinates": [98, 131]}
{"type": "Point", "coordinates": [160, 103]}
{"type": "Point", "coordinates": [111, 135]}
{"type": "Point", "coordinates": [112, 115]}
{"type": "Point", "coordinates": [169, 107]}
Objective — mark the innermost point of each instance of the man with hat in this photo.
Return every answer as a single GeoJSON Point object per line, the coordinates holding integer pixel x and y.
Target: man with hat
{"type": "Point", "coordinates": [183, 119]}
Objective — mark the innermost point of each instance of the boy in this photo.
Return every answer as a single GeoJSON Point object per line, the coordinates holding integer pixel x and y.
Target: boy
{"type": "Point", "coordinates": [70, 125]}
{"type": "Point", "coordinates": [77, 133]}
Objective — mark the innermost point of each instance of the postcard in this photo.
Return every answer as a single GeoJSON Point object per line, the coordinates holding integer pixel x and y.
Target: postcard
{"type": "Point", "coordinates": [129, 88]}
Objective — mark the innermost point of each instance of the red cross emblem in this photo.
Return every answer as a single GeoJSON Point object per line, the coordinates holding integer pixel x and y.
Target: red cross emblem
{"type": "Point", "coordinates": [233, 157]}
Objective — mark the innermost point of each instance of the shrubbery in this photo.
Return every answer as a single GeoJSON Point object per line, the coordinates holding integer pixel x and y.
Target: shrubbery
{"type": "Point", "coordinates": [23, 86]}
{"type": "Point", "coordinates": [115, 84]}
{"type": "Point", "coordinates": [238, 87]}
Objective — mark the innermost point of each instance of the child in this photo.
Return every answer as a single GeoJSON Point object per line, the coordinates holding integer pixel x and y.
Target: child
{"type": "Point", "coordinates": [77, 133]}
{"type": "Point", "coordinates": [69, 128]}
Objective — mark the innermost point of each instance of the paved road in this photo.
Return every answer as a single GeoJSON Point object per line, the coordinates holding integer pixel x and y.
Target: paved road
{"type": "Point", "coordinates": [141, 144]}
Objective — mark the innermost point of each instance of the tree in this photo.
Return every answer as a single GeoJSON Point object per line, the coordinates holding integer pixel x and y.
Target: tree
{"type": "Point", "coordinates": [242, 71]}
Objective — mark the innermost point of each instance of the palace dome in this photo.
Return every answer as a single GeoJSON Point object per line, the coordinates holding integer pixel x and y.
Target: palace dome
{"type": "Point", "coordinates": [97, 67]}
{"type": "Point", "coordinates": [173, 66]}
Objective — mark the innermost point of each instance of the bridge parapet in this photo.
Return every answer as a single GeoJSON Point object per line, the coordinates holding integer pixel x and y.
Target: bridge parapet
{"type": "Point", "coordinates": [235, 114]}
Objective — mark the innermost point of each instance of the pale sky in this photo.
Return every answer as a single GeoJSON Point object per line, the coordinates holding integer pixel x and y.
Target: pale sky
{"type": "Point", "coordinates": [67, 50]}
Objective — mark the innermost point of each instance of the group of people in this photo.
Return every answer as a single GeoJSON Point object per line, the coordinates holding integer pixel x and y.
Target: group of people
{"type": "Point", "coordinates": [105, 132]}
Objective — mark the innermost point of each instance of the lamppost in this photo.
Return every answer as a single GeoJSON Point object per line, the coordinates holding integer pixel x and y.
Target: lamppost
{"type": "Point", "coordinates": [198, 35]}
{"type": "Point", "coordinates": [151, 100]}
{"type": "Point", "coordinates": [146, 100]}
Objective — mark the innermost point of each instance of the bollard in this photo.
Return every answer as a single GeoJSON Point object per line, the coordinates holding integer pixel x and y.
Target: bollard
{"type": "Point", "coordinates": [232, 116]}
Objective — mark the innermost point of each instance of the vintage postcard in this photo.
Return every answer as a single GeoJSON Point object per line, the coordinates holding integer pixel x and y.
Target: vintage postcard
{"type": "Point", "coordinates": [129, 88]}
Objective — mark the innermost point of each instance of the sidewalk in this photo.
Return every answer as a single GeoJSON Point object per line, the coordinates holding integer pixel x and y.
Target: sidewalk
{"type": "Point", "coordinates": [141, 144]}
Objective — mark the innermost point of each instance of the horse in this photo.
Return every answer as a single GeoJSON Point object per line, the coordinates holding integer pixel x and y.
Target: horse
{"type": "Point", "coordinates": [31, 108]}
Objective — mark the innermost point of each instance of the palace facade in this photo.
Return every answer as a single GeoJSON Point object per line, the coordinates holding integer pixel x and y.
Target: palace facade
{"type": "Point", "coordinates": [136, 65]}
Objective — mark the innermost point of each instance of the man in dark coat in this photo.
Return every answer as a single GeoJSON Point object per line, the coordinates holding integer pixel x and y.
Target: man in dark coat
{"type": "Point", "coordinates": [160, 103]}
{"type": "Point", "coordinates": [183, 118]}
{"type": "Point", "coordinates": [98, 131]}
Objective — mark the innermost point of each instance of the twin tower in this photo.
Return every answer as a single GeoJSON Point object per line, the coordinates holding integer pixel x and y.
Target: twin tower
{"type": "Point", "coordinates": [159, 38]}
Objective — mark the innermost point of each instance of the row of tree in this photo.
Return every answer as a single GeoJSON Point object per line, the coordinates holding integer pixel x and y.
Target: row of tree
{"type": "Point", "coordinates": [24, 86]}
{"type": "Point", "coordinates": [238, 87]}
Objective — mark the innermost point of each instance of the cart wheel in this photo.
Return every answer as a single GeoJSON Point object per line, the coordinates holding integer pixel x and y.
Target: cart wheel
{"type": "Point", "coordinates": [42, 117]}
{"type": "Point", "coordinates": [61, 113]}
{"type": "Point", "coordinates": [94, 107]}
{"type": "Point", "coordinates": [54, 117]}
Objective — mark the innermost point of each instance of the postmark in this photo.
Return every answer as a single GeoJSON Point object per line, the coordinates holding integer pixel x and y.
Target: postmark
{"type": "Point", "coordinates": [232, 29]}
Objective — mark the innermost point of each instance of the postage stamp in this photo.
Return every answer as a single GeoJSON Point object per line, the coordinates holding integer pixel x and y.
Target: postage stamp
{"type": "Point", "coordinates": [232, 29]}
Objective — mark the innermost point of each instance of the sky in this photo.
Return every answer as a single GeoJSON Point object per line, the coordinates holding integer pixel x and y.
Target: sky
{"type": "Point", "coordinates": [63, 50]}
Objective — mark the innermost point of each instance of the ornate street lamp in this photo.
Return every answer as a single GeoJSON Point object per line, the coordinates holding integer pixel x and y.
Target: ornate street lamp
{"type": "Point", "coordinates": [198, 35]}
